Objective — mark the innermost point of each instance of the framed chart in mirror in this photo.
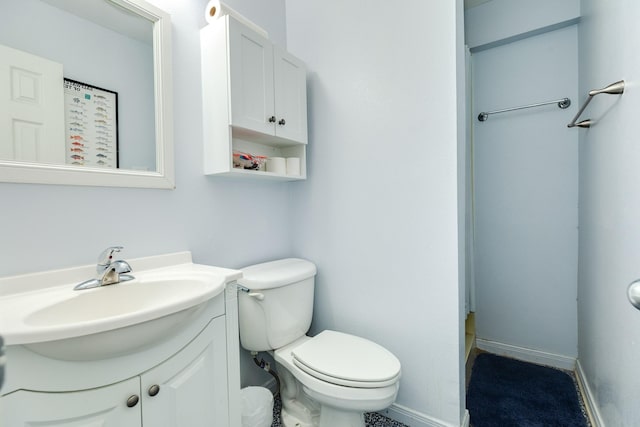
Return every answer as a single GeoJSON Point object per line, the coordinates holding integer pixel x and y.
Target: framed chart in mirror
{"type": "Point", "coordinates": [91, 125]}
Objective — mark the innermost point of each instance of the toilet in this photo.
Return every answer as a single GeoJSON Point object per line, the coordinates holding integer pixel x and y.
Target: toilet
{"type": "Point", "coordinates": [327, 380]}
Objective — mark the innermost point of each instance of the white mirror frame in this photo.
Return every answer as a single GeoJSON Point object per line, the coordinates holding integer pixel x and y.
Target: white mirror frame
{"type": "Point", "coordinates": [163, 177]}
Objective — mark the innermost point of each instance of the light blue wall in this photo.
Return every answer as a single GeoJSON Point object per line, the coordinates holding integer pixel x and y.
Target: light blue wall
{"type": "Point", "coordinates": [525, 178]}
{"type": "Point", "coordinates": [378, 213]}
{"type": "Point", "coordinates": [500, 21]}
{"type": "Point", "coordinates": [609, 327]}
{"type": "Point", "coordinates": [526, 195]}
{"type": "Point", "coordinates": [223, 222]}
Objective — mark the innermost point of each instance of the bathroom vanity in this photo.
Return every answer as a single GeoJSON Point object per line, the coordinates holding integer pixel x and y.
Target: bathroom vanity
{"type": "Point", "coordinates": [159, 350]}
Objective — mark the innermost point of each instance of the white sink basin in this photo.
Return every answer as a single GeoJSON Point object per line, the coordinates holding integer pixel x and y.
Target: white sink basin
{"type": "Point", "coordinates": [145, 297]}
{"type": "Point", "coordinates": [63, 323]}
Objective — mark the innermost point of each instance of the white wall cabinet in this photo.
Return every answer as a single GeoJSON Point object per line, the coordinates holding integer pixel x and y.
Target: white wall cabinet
{"type": "Point", "coordinates": [254, 99]}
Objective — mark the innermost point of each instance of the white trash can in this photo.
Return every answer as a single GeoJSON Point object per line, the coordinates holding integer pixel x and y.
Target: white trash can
{"type": "Point", "coordinates": [256, 405]}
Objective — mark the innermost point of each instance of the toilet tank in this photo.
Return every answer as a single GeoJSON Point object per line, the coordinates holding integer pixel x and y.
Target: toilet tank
{"type": "Point", "coordinates": [278, 308]}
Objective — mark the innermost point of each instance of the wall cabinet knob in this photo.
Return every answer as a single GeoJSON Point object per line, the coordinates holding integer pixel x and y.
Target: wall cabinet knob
{"type": "Point", "coordinates": [153, 390]}
{"type": "Point", "coordinates": [272, 119]}
{"type": "Point", "coordinates": [282, 122]}
{"type": "Point", "coordinates": [132, 401]}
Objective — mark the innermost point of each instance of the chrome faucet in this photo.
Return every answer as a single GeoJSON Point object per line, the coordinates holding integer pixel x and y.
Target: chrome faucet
{"type": "Point", "coordinates": [109, 272]}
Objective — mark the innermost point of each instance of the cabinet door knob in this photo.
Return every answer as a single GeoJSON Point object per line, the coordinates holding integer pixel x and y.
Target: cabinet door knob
{"type": "Point", "coordinates": [132, 401]}
{"type": "Point", "coordinates": [153, 390]}
{"type": "Point", "coordinates": [282, 122]}
{"type": "Point", "coordinates": [272, 119]}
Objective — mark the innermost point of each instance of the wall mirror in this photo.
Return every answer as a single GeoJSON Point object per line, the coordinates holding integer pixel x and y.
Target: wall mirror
{"type": "Point", "coordinates": [85, 93]}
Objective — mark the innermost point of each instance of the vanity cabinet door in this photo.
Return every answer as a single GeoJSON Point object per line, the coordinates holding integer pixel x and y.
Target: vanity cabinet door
{"type": "Point", "coordinates": [106, 407]}
{"type": "Point", "coordinates": [190, 389]}
{"type": "Point", "coordinates": [251, 75]}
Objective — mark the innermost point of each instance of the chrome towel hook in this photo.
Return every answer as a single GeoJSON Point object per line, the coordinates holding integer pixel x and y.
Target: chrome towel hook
{"type": "Point", "coordinates": [616, 88]}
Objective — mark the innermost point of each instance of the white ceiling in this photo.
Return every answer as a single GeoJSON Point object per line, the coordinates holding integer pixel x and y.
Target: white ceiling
{"type": "Point", "coordinates": [472, 3]}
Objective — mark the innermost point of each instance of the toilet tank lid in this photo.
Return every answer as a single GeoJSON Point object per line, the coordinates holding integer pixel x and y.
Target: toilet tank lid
{"type": "Point", "coordinates": [278, 273]}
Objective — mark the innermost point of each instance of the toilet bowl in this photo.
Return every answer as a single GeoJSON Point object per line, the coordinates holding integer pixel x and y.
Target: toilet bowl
{"type": "Point", "coordinates": [330, 379]}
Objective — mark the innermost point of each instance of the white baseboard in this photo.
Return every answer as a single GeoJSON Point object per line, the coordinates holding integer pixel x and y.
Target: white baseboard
{"type": "Point", "coordinates": [466, 420]}
{"type": "Point", "coordinates": [417, 419]}
{"type": "Point", "coordinates": [589, 400]}
{"type": "Point", "coordinates": [527, 354]}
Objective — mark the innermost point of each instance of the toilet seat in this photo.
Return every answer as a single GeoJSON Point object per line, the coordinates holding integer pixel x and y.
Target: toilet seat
{"type": "Point", "coordinates": [347, 360]}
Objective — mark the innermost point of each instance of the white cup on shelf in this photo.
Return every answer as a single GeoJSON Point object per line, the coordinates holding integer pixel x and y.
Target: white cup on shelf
{"type": "Point", "coordinates": [277, 165]}
{"type": "Point", "coordinates": [293, 166]}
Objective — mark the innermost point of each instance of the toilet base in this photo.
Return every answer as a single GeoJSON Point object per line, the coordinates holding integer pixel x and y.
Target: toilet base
{"type": "Point", "coordinates": [296, 414]}
{"type": "Point", "coordinates": [329, 417]}
{"type": "Point", "coordinates": [289, 420]}
{"type": "Point", "coordinates": [299, 409]}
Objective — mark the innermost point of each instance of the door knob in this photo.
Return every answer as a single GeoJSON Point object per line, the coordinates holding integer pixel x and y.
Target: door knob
{"type": "Point", "coordinates": [272, 119]}
{"type": "Point", "coordinates": [633, 293]}
{"type": "Point", "coordinates": [282, 122]}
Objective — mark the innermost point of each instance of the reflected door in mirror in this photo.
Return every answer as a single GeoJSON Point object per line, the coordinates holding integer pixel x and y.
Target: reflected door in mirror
{"type": "Point", "coordinates": [31, 106]}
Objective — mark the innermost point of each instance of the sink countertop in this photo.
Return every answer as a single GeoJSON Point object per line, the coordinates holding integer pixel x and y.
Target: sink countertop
{"type": "Point", "coordinates": [25, 299]}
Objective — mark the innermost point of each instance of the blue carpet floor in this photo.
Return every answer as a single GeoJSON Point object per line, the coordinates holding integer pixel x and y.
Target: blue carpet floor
{"type": "Point", "coordinates": [505, 392]}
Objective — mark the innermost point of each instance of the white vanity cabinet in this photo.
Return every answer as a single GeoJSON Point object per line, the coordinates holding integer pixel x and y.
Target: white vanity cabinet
{"type": "Point", "coordinates": [189, 389]}
{"type": "Point", "coordinates": [104, 406]}
{"type": "Point", "coordinates": [254, 99]}
{"type": "Point", "coordinates": [187, 375]}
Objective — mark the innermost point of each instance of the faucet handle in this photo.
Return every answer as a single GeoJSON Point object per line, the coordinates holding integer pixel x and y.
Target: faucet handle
{"type": "Point", "coordinates": [105, 258]}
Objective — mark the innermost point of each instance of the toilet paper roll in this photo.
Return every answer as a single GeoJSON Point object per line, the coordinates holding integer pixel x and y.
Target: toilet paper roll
{"type": "Point", "coordinates": [215, 9]}
{"type": "Point", "coordinates": [293, 166]}
{"type": "Point", "coordinates": [277, 165]}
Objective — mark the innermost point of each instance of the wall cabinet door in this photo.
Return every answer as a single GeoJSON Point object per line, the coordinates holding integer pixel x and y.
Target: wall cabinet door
{"type": "Point", "coordinates": [268, 86]}
{"type": "Point", "coordinates": [251, 63]}
{"type": "Point", "coordinates": [105, 407]}
{"type": "Point", "coordinates": [290, 87]}
{"type": "Point", "coordinates": [190, 389]}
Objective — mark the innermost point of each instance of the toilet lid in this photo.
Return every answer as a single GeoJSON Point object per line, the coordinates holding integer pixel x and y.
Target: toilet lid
{"type": "Point", "coordinates": [347, 360]}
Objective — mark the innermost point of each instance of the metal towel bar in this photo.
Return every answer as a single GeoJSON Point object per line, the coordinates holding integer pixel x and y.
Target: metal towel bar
{"type": "Point", "coordinates": [562, 103]}
{"type": "Point", "coordinates": [616, 88]}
